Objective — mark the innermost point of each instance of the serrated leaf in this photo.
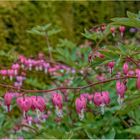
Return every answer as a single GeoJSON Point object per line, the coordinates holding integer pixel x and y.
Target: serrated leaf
{"type": "Point", "coordinates": [36, 32]}
{"type": "Point", "coordinates": [53, 31]}
{"type": "Point", "coordinates": [131, 15]}
{"type": "Point", "coordinates": [132, 20]}
{"type": "Point", "coordinates": [45, 27]}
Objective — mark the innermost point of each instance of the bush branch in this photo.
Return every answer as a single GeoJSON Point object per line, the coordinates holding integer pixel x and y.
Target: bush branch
{"type": "Point", "coordinates": [61, 88]}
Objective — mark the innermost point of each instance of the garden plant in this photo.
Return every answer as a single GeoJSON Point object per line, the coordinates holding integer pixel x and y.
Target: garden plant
{"type": "Point", "coordinates": [75, 91]}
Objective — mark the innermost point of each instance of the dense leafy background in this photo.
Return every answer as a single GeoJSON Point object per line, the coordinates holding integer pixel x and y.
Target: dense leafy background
{"type": "Point", "coordinates": [17, 18]}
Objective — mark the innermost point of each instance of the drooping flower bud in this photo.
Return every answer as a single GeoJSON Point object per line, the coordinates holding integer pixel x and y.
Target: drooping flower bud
{"type": "Point", "coordinates": [90, 98]}
{"type": "Point", "coordinates": [103, 27]}
{"type": "Point", "coordinates": [80, 104]}
{"type": "Point", "coordinates": [46, 66]}
{"type": "Point", "coordinates": [11, 73]}
{"type": "Point", "coordinates": [16, 67]}
{"type": "Point", "coordinates": [22, 60]}
{"type": "Point", "coordinates": [112, 29]}
{"type": "Point", "coordinates": [57, 100]}
{"type": "Point", "coordinates": [3, 73]}
{"type": "Point", "coordinates": [8, 99]}
{"type": "Point", "coordinates": [120, 89]}
{"type": "Point", "coordinates": [97, 98]}
{"type": "Point", "coordinates": [138, 78]}
{"type": "Point", "coordinates": [29, 63]}
{"type": "Point", "coordinates": [111, 66]}
{"type": "Point", "coordinates": [105, 96]}
{"type": "Point", "coordinates": [101, 99]}
{"type": "Point", "coordinates": [125, 68]}
{"type": "Point", "coordinates": [122, 30]}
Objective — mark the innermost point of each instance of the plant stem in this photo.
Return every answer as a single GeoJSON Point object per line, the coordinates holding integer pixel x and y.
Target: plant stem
{"type": "Point", "coordinates": [71, 88]}
{"type": "Point", "coordinates": [49, 47]}
{"type": "Point", "coordinates": [132, 60]}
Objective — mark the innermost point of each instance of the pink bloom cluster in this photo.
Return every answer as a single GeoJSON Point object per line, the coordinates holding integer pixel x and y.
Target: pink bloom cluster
{"type": "Point", "coordinates": [121, 30]}
{"type": "Point", "coordinates": [38, 103]}
{"type": "Point", "coordinates": [34, 103]}
{"type": "Point", "coordinates": [25, 103]}
{"type": "Point", "coordinates": [102, 98]}
{"type": "Point", "coordinates": [41, 65]}
{"type": "Point", "coordinates": [17, 72]}
{"type": "Point", "coordinates": [98, 98]}
{"type": "Point", "coordinates": [113, 29]}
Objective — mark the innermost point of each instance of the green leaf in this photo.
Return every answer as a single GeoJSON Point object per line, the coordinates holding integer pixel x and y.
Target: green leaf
{"type": "Point", "coordinates": [131, 15]}
{"type": "Point", "coordinates": [132, 20]}
{"type": "Point", "coordinates": [53, 31]}
{"type": "Point", "coordinates": [134, 130]}
{"type": "Point", "coordinates": [111, 134]}
{"type": "Point", "coordinates": [45, 27]}
{"type": "Point", "coordinates": [89, 134]}
{"type": "Point", "coordinates": [68, 135]}
{"type": "Point", "coordinates": [36, 32]}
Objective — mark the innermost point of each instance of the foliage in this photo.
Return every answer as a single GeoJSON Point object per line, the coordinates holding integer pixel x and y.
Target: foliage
{"type": "Point", "coordinates": [132, 20]}
{"type": "Point", "coordinates": [117, 121]}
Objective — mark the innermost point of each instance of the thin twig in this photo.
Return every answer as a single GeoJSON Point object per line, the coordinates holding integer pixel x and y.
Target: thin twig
{"type": "Point", "coordinates": [61, 88]}
{"type": "Point", "coordinates": [132, 60]}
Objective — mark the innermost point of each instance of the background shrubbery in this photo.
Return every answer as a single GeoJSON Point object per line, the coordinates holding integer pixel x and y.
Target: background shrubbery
{"type": "Point", "coordinates": [72, 18]}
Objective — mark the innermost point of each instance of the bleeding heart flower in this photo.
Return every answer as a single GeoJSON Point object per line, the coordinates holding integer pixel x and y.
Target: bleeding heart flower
{"type": "Point", "coordinates": [125, 68]}
{"type": "Point", "coordinates": [120, 89]}
{"type": "Point", "coordinates": [122, 30]}
{"type": "Point", "coordinates": [3, 73]}
{"type": "Point", "coordinates": [8, 99]}
{"type": "Point", "coordinates": [111, 66]}
{"type": "Point", "coordinates": [112, 29]}
{"type": "Point", "coordinates": [24, 103]}
{"type": "Point", "coordinates": [101, 99]}
{"type": "Point", "coordinates": [80, 104]}
{"type": "Point", "coordinates": [57, 100]}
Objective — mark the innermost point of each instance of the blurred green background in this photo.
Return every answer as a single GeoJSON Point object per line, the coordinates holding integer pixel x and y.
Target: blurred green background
{"type": "Point", "coordinates": [72, 17]}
